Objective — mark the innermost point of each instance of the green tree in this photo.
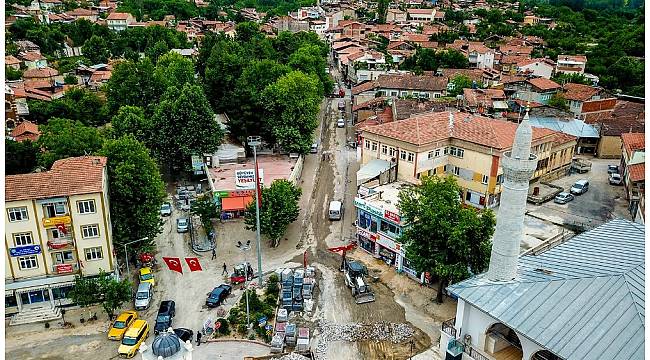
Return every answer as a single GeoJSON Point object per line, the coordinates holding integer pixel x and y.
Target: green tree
{"type": "Point", "coordinates": [291, 107]}
{"type": "Point", "coordinates": [77, 104]}
{"type": "Point", "coordinates": [131, 120]}
{"type": "Point", "coordinates": [96, 50]}
{"type": "Point", "coordinates": [279, 209]}
{"type": "Point", "coordinates": [136, 191]}
{"type": "Point", "coordinates": [20, 157]}
{"type": "Point", "coordinates": [184, 125]}
{"type": "Point", "coordinates": [558, 101]}
{"type": "Point", "coordinates": [382, 10]}
{"type": "Point", "coordinates": [133, 83]}
{"type": "Point", "coordinates": [114, 293]}
{"type": "Point", "coordinates": [205, 209]}
{"type": "Point", "coordinates": [70, 79]}
{"type": "Point", "coordinates": [223, 68]}
{"type": "Point", "coordinates": [309, 59]}
{"type": "Point", "coordinates": [458, 83]}
{"type": "Point", "coordinates": [174, 69]}
{"type": "Point", "coordinates": [442, 236]}
{"type": "Point", "coordinates": [85, 291]}
{"type": "Point", "coordinates": [63, 138]}
{"type": "Point", "coordinates": [154, 52]}
{"type": "Point", "coordinates": [12, 74]}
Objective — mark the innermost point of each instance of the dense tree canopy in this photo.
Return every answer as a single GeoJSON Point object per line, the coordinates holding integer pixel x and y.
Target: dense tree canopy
{"type": "Point", "coordinates": [63, 138]}
{"type": "Point", "coordinates": [133, 83]}
{"type": "Point", "coordinates": [279, 209]}
{"type": "Point", "coordinates": [20, 157]}
{"type": "Point", "coordinates": [77, 104]}
{"type": "Point", "coordinates": [431, 60]}
{"type": "Point", "coordinates": [131, 120]}
{"type": "Point", "coordinates": [443, 237]}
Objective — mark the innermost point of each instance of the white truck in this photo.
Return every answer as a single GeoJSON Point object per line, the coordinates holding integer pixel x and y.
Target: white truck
{"type": "Point", "coordinates": [336, 210]}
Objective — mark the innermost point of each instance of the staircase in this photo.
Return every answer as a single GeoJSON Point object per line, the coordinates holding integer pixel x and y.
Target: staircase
{"type": "Point", "coordinates": [33, 315]}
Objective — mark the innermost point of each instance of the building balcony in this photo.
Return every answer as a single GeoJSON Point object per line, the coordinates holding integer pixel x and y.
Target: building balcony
{"type": "Point", "coordinates": [448, 327]}
{"type": "Point", "coordinates": [54, 221]}
{"type": "Point", "coordinates": [60, 243]}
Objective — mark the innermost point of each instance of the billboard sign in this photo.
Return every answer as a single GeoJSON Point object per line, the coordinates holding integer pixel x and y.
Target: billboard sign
{"type": "Point", "coordinates": [245, 179]}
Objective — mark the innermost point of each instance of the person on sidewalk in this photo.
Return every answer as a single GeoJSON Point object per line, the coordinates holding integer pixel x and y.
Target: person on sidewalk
{"type": "Point", "coordinates": [198, 338]}
{"type": "Point", "coordinates": [225, 269]}
{"type": "Point", "coordinates": [214, 254]}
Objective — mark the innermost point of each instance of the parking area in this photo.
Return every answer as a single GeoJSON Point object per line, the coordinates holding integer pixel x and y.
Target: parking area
{"type": "Point", "coordinates": [599, 204]}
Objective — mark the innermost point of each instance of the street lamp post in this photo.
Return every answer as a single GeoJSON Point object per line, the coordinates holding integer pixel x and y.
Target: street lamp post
{"type": "Point", "coordinates": [255, 141]}
{"type": "Point", "coordinates": [126, 253]}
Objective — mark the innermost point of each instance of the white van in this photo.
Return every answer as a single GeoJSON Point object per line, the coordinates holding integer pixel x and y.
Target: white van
{"type": "Point", "coordinates": [336, 210]}
{"type": "Point", "coordinates": [580, 187]}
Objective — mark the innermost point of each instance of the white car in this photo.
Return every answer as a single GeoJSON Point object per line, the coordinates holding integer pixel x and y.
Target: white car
{"type": "Point", "coordinates": [182, 225]}
{"type": "Point", "coordinates": [166, 209]}
{"type": "Point", "coordinates": [340, 123]}
{"type": "Point", "coordinates": [615, 179]}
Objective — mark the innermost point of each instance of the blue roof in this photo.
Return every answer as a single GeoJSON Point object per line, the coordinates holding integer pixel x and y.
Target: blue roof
{"type": "Point", "coordinates": [575, 127]}
{"type": "Point", "coordinates": [582, 299]}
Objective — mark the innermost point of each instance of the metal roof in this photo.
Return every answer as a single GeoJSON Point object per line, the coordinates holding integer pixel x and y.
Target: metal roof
{"type": "Point", "coordinates": [371, 170]}
{"type": "Point", "coordinates": [582, 299]}
{"type": "Point", "coordinates": [575, 127]}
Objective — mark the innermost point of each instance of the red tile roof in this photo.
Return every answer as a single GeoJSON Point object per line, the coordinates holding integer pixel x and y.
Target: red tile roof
{"type": "Point", "coordinates": [45, 72]}
{"type": "Point", "coordinates": [562, 138]}
{"type": "Point", "coordinates": [544, 84]}
{"type": "Point", "coordinates": [430, 127]}
{"type": "Point", "coordinates": [579, 92]}
{"type": "Point", "coordinates": [633, 142]}
{"type": "Point", "coordinates": [71, 176]}
{"type": "Point", "coordinates": [637, 172]}
{"type": "Point", "coordinates": [26, 131]}
{"type": "Point", "coordinates": [118, 16]}
{"type": "Point", "coordinates": [31, 56]}
{"type": "Point", "coordinates": [11, 60]}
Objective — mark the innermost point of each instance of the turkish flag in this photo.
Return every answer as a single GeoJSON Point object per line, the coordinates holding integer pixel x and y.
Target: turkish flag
{"type": "Point", "coordinates": [61, 228]}
{"type": "Point", "coordinates": [174, 264]}
{"type": "Point", "coordinates": [194, 264]}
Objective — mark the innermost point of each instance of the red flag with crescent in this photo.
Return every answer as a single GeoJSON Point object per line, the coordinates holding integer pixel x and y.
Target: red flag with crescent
{"type": "Point", "coordinates": [194, 264]}
{"type": "Point", "coordinates": [61, 228]}
{"type": "Point", "coordinates": [174, 264]}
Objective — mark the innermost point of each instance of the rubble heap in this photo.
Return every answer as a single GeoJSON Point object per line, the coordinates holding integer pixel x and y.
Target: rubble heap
{"type": "Point", "coordinates": [381, 331]}
{"type": "Point", "coordinates": [292, 356]}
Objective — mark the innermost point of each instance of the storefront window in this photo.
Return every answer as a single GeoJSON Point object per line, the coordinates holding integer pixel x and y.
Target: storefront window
{"type": "Point", "coordinates": [364, 219]}
{"type": "Point", "coordinates": [390, 229]}
{"type": "Point", "coordinates": [10, 301]}
{"type": "Point", "coordinates": [373, 226]}
{"type": "Point", "coordinates": [367, 245]}
{"type": "Point", "coordinates": [61, 292]}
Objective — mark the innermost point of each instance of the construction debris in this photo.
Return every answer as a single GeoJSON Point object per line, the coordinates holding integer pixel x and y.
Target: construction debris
{"type": "Point", "coordinates": [382, 331]}
{"type": "Point", "coordinates": [292, 356]}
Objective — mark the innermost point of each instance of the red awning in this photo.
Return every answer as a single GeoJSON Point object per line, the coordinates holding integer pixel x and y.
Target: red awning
{"type": "Point", "coordinates": [232, 204]}
{"type": "Point", "coordinates": [248, 200]}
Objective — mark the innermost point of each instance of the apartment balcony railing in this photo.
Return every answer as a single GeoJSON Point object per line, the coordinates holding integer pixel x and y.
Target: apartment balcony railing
{"type": "Point", "coordinates": [54, 221]}
{"type": "Point", "coordinates": [60, 243]}
{"type": "Point", "coordinates": [448, 327]}
{"type": "Point", "coordinates": [474, 354]}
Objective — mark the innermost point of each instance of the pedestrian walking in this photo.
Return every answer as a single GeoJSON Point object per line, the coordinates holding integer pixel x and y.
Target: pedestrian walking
{"type": "Point", "coordinates": [214, 254]}
{"type": "Point", "coordinates": [225, 269]}
{"type": "Point", "coordinates": [198, 338]}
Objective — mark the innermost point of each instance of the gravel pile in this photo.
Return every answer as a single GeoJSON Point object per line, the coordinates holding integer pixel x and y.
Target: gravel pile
{"type": "Point", "coordinates": [382, 331]}
{"type": "Point", "coordinates": [292, 356]}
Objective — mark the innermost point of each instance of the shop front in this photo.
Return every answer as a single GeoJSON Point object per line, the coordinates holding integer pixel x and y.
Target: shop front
{"type": "Point", "coordinates": [390, 251]}
{"type": "Point", "coordinates": [367, 240]}
{"type": "Point", "coordinates": [232, 204]}
{"type": "Point", "coordinates": [45, 292]}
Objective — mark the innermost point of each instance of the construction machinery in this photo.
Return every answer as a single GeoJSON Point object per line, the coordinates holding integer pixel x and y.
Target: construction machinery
{"type": "Point", "coordinates": [354, 273]}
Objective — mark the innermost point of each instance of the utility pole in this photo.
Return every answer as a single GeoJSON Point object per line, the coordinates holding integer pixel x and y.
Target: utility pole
{"type": "Point", "coordinates": [255, 141]}
{"type": "Point", "coordinates": [126, 254]}
{"type": "Point", "coordinates": [245, 249]}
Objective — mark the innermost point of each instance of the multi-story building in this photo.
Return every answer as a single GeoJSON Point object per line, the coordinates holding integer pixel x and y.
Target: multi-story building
{"type": "Point", "coordinates": [466, 146]}
{"type": "Point", "coordinates": [633, 172]}
{"type": "Point", "coordinates": [571, 64]}
{"type": "Point", "coordinates": [401, 85]}
{"type": "Point", "coordinates": [57, 226]}
{"type": "Point", "coordinates": [119, 21]}
{"type": "Point", "coordinates": [539, 90]}
{"type": "Point", "coordinates": [479, 55]}
{"type": "Point", "coordinates": [379, 225]}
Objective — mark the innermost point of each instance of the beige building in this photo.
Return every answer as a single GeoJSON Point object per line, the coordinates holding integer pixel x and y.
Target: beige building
{"type": "Point", "coordinates": [466, 146]}
{"type": "Point", "coordinates": [57, 225]}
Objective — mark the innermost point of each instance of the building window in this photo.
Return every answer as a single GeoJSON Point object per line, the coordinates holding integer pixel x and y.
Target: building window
{"type": "Point", "coordinates": [367, 144]}
{"type": "Point", "coordinates": [457, 152]}
{"type": "Point", "coordinates": [500, 179]}
{"type": "Point", "coordinates": [391, 151]}
{"type": "Point", "coordinates": [22, 239]}
{"type": "Point", "coordinates": [437, 152]}
{"type": "Point", "coordinates": [94, 253]}
{"type": "Point", "coordinates": [436, 95]}
{"type": "Point", "coordinates": [404, 93]}
{"type": "Point", "coordinates": [374, 146]}
{"type": "Point", "coordinates": [456, 171]}
{"type": "Point", "coordinates": [430, 155]}
{"type": "Point", "coordinates": [17, 214]}
{"type": "Point", "coordinates": [393, 93]}
{"type": "Point", "coordinates": [446, 150]}
{"type": "Point", "coordinates": [402, 154]}
{"type": "Point", "coordinates": [389, 228]}
{"type": "Point", "coordinates": [411, 157]}
{"type": "Point", "coordinates": [485, 180]}
{"type": "Point", "coordinates": [384, 149]}
{"type": "Point", "coordinates": [86, 206]}
{"type": "Point", "coordinates": [90, 231]}
{"type": "Point", "coordinates": [28, 262]}
{"type": "Point", "coordinates": [54, 209]}
{"type": "Point", "coordinates": [63, 257]}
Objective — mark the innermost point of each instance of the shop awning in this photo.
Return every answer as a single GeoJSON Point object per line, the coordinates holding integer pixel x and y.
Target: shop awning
{"type": "Point", "coordinates": [235, 203]}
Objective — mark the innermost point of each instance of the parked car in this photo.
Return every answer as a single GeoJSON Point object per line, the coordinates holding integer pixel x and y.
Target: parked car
{"type": "Point", "coordinates": [612, 169]}
{"type": "Point", "coordinates": [182, 225]}
{"type": "Point", "coordinates": [314, 148]}
{"type": "Point", "coordinates": [133, 338]}
{"type": "Point", "coordinates": [580, 187]}
{"type": "Point", "coordinates": [143, 296]}
{"type": "Point", "coordinates": [563, 198]}
{"type": "Point", "coordinates": [146, 275]}
{"type": "Point", "coordinates": [166, 313]}
{"type": "Point", "coordinates": [340, 123]}
{"type": "Point", "coordinates": [121, 324]}
{"type": "Point", "coordinates": [615, 179]}
{"type": "Point", "coordinates": [166, 209]}
{"type": "Point", "coordinates": [184, 334]}
{"type": "Point", "coordinates": [218, 295]}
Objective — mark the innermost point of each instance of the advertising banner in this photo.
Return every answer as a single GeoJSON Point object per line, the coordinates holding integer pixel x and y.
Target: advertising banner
{"type": "Point", "coordinates": [25, 250]}
{"type": "Point", "coordinates": [245, 179]}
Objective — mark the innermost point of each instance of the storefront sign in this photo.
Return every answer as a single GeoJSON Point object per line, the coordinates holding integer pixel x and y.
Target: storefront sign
{"type": "Point", "coordinates": [390, 244]}
{"type": "Point", "coordinates": [234, 193]}
{"type": "Point", "coordinates": [25, 250]}
{"type": "Point", "coordinates": [197, 164]}
{"type": "Point", "coordinates": [366, 234]}
{"type": "Point", "coordinates": [389, 215]}
{"type": "Point", "coordinates": [63, 268]}
{"type": "Point", "coordinates": [245, 179]}
{"type": "Point", "coordinates": [363, 205]}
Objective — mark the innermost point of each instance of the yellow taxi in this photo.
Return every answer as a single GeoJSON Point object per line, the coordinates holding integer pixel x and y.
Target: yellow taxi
{"type": "Point", "coordinates": [146, 275]}
{"type": "Point", "coordinates": [116, 332]}
{"type": "Point", "coordinates": [133, 338]}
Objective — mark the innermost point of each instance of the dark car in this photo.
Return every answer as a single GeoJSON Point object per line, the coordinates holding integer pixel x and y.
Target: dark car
{"type": "Point", "coordinates": [166, 313]}
{"type": "Point", "coordinates": [184, 334]}
{"type": "Point", "coordinates": [612, 169]}
{"type": "Point", "coordinates": [218, 295]}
